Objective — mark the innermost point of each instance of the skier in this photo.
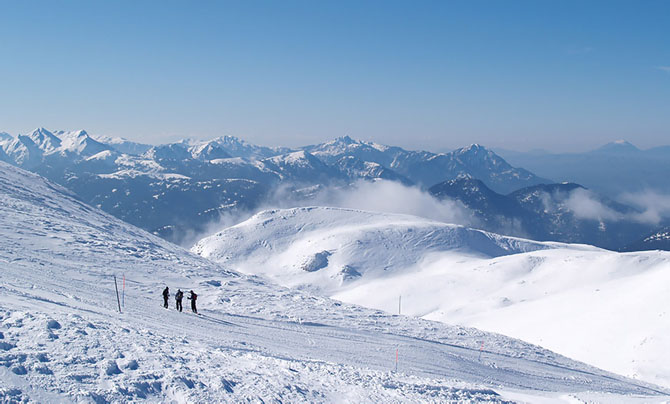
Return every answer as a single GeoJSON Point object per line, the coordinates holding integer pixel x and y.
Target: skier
{"type": "Point", "coordinates": [166, 295]}
{"type": "Point", "coordinates": [178, 296]}
{"type": "Point", "coordinates": [193, 298]}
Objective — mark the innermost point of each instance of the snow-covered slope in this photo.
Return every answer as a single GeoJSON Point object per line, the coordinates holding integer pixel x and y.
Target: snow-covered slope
{"type": "Point", "coordinates": [328, 247]}
{"type": "Point", "coordinates": [62, 338]}
{"type": "Point", "coordinates": [123, 145]}
{"type": "Point", "coordinates": [605, 308]}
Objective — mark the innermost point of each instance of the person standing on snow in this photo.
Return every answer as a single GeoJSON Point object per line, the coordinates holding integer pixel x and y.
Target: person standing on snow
{"type": "Point", "coordinates": [178, 296]}
{"type": "Point", "coordinates": [166, 295]}
{"type": "Point", "coordinates": [193, 298]}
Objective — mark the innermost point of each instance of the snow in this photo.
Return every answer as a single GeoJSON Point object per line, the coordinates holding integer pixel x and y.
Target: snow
{"type": "Point", "coordinates": [45, 140]}
{"type": "Point", "coordinates": [62, 338]}
{"type": "Point", "coordinates": [135, 173]}
{"type": "Point", "coordinates": [299, 158]}
{"type": "Point", "coordinates": [138, 163]}
{"type": "Point", "coordinates": [605, 308]}
{"type": "Point", "coordinates": [103, 155]}
{"type": "Point", "coordinates": [279, 243]}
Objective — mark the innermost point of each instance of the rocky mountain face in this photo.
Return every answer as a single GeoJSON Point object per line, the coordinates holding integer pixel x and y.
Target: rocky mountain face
{"type": "Point", "coordinates": [658, 240]}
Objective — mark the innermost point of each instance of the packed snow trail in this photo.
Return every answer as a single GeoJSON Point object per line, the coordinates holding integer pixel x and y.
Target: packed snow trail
{"type": "Point", "coordinates": [294, 340]}
{"type": "Point", "coordinates": [62, 338]}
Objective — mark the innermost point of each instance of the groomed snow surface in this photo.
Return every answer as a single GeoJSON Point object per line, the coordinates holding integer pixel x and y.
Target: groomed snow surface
{"type": "Point", "coordinates": [62, 338]}
{"type": "Point", "coordinates": [604, 308]}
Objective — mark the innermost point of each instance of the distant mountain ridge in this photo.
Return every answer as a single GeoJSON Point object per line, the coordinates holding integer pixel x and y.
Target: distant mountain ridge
{"type": "Point", "coordinates": [426, 168]}
{"type": "Point", "coordinates": [178, 188]}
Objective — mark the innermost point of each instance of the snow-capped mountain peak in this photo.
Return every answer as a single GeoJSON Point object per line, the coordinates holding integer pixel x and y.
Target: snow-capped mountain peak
{"type": "Point", "coordinates": [618, 146]}
{"type": "Point", "coordinates": [45, 140]}
{"type": "Point", "coordinates": [170, 151]}
{"type": "Point", "coordinates": [476, 152]}
{"type": "Point", "coordinates": [210, 150]}
{"type": "Point", "coordinates": [80, 143]}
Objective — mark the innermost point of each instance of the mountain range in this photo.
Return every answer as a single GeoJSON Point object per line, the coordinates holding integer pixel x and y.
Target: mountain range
{"type": "Point", "coordinates": [178, 190]}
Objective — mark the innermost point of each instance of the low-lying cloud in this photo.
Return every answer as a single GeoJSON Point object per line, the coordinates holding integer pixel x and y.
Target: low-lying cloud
{"type": "Point", "coordinates": [377, 196]}
{"type": "Point", "coordinates": [585, 205]}
{"type": "Point", "coordinates": [393, 197]}
{"type": "Point", "coordinates": [653, 206]}
{"type": "Point", "coordinates": [648, 207]}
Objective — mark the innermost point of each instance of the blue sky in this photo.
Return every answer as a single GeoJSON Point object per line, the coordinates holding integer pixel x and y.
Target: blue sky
{"type": "Point", "coordinates": [560, 75]}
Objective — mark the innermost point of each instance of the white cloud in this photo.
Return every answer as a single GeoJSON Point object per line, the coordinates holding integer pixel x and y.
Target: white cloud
{"type": "Point", "coordinates": [377, 196]}
{"type": "Point", "coordinates": [655, 207]}
{"type": "Point", "coordinates": [393, 197]}
{"type": "Point", "coordinates": [584, 204]}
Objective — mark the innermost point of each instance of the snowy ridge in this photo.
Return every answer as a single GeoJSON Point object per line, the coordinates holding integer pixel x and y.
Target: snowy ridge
{"type": "Point", "coordinates": [63, 340]}
{"type": "Point", "coordinates": [570, 298]}
{"type": "Point", "coordinates": [344, 244]}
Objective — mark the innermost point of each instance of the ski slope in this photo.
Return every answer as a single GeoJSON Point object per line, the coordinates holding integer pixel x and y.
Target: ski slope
{"type": "Point", "coordinates": [601, 307]}
{"type": "Point", "coordinates": [62, 338]}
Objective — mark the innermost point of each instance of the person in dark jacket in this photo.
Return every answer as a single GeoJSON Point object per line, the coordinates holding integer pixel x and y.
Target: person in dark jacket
{"type": "Point", "coordinates": [166, 295]}
{"type": "Point", "coordinates": [193, 298]}
{"type": "Point", "coordinates": [178, 296]}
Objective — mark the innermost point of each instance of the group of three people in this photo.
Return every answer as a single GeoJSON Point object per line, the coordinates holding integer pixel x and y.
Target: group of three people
{"type": "Point", "coordinates": [178, 297]}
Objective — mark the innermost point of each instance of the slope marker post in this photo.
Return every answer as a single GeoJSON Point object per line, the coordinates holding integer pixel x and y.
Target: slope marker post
{"type": "Point", "coordinates": [396, 360]}
{"type": "Point", "coordinates": [117, 294]}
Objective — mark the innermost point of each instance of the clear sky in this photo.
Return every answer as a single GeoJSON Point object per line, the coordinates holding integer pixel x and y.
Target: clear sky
{"type": "Point", "coordinates": [560, 75]}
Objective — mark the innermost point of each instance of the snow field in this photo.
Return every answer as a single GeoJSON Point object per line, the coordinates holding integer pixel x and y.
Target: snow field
{"type": "Point", "coordinates": [604, 308]}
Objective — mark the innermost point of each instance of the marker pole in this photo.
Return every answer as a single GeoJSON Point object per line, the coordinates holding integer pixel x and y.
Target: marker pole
{"type": "Point", "coordinates": [396, 360]}
{"type": "Point", "coordinates": [117, 294]}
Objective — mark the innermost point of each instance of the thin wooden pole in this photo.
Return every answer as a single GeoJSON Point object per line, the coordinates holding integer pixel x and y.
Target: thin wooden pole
{"type": "Point", "coordinates": [118, 301]}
